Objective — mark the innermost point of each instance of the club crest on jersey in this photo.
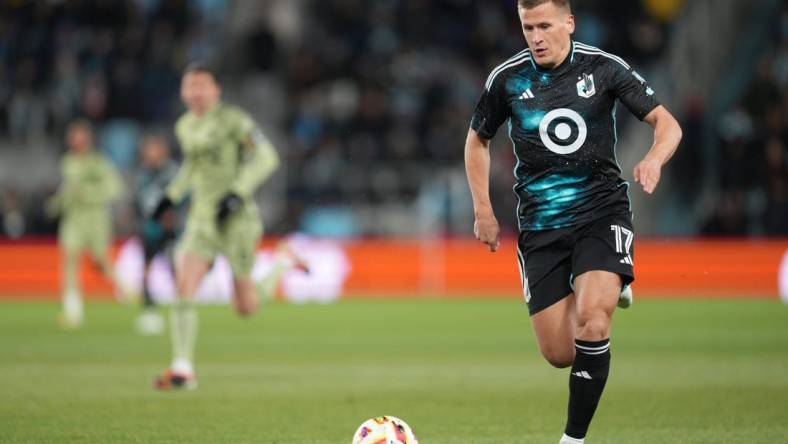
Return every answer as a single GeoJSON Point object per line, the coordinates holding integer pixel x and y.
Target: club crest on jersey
{"type": "Point", "coordinates": [585, 87]}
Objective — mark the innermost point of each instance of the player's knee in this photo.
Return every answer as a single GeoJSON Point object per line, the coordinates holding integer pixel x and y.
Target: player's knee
{"type": "Point", "coordinates": [559, 358]}
{"type": "Point", "coordinates": [185, 286]}
{"type": "Point", "coordinates": [593, 326]}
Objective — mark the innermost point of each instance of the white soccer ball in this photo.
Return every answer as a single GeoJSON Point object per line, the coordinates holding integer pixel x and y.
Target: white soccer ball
{"type": "Point", "coordinates": [384, 430]}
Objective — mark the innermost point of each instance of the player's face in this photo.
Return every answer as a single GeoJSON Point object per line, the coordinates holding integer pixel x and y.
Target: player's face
{"type": "Point", "coordinates": [154, 153]}
{"type": "Point", "coordinates": [79, 139]}
{"type": "Point", "coordinates": [199, 91]}
{"type": "Point", "coordinates": [547, 29]}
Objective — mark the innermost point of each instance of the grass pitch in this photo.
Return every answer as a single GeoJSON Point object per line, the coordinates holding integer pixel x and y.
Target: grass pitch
{"type": "Point", "coordinates": [459, 371]}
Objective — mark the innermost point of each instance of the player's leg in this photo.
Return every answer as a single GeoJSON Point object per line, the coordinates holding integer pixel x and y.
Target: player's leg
{"type": "Point", "coordinates": [72, 315]}
{"type": "Point", "coordinates": [150, 321]}
{"type": "Point", "coordinates": [284, 260]}
{"type": "Point", "coordinates": [603, 265]}
{"type": "Point", "coordinates": [190, 271]}
{"type": "Point", "coordinates": [244, 296]}
{"type": "Point", "coordinates": [98, 241]}
{"type": "Point", "coordinates": [554, 328]}
{"type": "Point", "coordinates": [545, 267]}
{"type": "Point", "coordinates": [193, 261]}
{"type": "Point", "coordinates": [242, 234]}
{"type": "Point", "coordinates": [596, 298]}
{"type": "Point", "coordinates": [98, 237]}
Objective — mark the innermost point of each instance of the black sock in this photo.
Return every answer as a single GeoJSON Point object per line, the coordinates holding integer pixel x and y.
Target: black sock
{"type": "Point", "coordinates": [147, 298]}
{"type": "Point", "coordinates": [586, 383]}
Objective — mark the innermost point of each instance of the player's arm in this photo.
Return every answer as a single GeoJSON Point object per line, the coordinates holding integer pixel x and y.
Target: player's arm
{"type": "Point", "coordinates": [111, 184]}
{"type": "Point", "coordinates": [259, 162]}
{"type": "Point", "coordinates": [490, 112]}
{"type": "Point", "coordinates": [638, 96]}
{"type": "Point", "coordinates": [177, 189]}
{"type": "Point", "coordinates": [53, 206]}
{"type": "Point", "coordinates": [67, 193]}
{"type": "Point", "coordinates": [477, 167]}
{"type": "Point", "coordinates": [179, 186]}
{"type": "Point", "coordinates": [667, 135]}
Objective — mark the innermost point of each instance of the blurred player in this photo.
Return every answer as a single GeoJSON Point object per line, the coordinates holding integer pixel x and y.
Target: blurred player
{"type": "Point", "coordinates": [226, 158]}
{"type": "Point", "coordinates": [575, 243]}
{"type": "Point", "coordinates": [90, 184]}
{"type": "Point", "coordinates": [156, 172]}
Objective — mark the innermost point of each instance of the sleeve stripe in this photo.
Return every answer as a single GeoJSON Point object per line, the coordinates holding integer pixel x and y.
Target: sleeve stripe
{"type": "Point", "coordinates": [586, 49]}
{"type": "Point", "coordinates": [516, 60]}
{"type": "Point", "coordinates": [604, 54]}
{"type": "Point", "coordinates": [595, 49]}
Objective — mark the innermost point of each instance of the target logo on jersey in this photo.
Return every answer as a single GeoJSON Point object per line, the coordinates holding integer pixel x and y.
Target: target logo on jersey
{"type": "Point", "coordinates": [563, 131]}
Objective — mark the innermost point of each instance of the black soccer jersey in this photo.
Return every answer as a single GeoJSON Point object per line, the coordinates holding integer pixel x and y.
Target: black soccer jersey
{"type": "Point", "coordinates": [563, 128]}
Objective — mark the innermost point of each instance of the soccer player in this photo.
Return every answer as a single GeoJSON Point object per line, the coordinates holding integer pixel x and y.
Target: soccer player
{"type": "Point", "coordinates": [226, 158]}
{"type": "Point", "coordinates": [157, 169]}
{"type": "Point", "coordinates": [90, 184]}
{"type": "Point", "coordinates": [575, 243]}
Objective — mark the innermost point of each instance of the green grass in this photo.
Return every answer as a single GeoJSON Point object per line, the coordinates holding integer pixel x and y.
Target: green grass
{"type": "Point", "coordinates": [463, 371]}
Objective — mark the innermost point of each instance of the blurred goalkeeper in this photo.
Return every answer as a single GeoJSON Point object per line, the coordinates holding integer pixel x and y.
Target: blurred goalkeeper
{"type": "Point", "coordinates": [226, 158]}
{"type": "Point", "coordinates": [90, 184]}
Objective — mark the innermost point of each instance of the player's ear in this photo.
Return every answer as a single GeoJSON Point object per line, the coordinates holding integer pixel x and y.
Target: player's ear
{"type": "Point", "coordinates": [570, 23]}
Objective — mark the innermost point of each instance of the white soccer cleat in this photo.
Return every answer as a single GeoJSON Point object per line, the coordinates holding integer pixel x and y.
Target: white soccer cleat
{"type": "Point", "coordinates": [70, 320]}
{"type": "Point", "coordinates": [150, 323]}
{"type": "Point", "coordinates": [625, 299]}
{"type": "Point", "coordinates": [569, 440]}
{"type": "Point", "coordinates": [73, 313]}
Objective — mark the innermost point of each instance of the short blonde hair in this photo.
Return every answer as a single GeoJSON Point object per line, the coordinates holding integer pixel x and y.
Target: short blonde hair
{"type": "Point", "coordinates": [528, 4]}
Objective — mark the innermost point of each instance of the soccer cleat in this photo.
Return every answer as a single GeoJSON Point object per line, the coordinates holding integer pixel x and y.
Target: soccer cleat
{"type": "Point", "coordinates": [150, 323]}
{"type": "Point", "coordinates": [73, 314]}
{"type": "Point", "coordinates": [625, 299]}
{"type": "Point", "coordinates": [300, 264]}
{"type": "Point", "coordinates": [569, 440]}
{"type": "Point", "coordinates": [70, 320]}
{"type": "Point", "coordinates": [170, 380]}
{"type": "Point", "coordinates": [296, 262]}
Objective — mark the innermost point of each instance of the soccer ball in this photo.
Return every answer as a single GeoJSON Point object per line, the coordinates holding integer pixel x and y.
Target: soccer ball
{"type": "Point", "coordinates": [384, 430]}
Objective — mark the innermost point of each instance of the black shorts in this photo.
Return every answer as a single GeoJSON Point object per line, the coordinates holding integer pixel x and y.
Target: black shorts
{"type": "Point", "coordinates": [550, 259]}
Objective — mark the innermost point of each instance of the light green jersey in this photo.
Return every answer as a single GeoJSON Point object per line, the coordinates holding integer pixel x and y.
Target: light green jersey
{"type": "Point", "coordinates": [223, 151]}
{"type": "Point", "coordinates": [90, 184]}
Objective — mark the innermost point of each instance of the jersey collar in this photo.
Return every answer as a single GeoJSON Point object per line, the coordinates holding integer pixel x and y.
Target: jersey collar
{"type": "Point", "coordinates": [562, 67]}
{"type": "Point", "coordinates": [212, 110]}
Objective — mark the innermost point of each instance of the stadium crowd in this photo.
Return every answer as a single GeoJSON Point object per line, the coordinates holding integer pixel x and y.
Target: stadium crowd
{"type": "Point", "coordinates": [377, 100]}
{"type": "Point", "coordinates": [752, 191]}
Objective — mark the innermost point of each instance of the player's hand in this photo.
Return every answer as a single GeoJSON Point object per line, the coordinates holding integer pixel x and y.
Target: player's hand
{"type": "Point", "coordinates": [647, 173]}
{"type": "Point", "coordinates": [52, 207]}
{"type": "Point", "coordinates": [487, 230]}
{"type": "Point", "coordinates": [162, 207]}
{"type": "Point", "coordinates": [229, 204]}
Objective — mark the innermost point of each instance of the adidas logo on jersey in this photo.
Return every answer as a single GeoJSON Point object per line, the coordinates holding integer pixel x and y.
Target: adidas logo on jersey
{"type": "Point", "coordinates": [583, 374]}
{"type": "Point", "coordinates": [527, 94]}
